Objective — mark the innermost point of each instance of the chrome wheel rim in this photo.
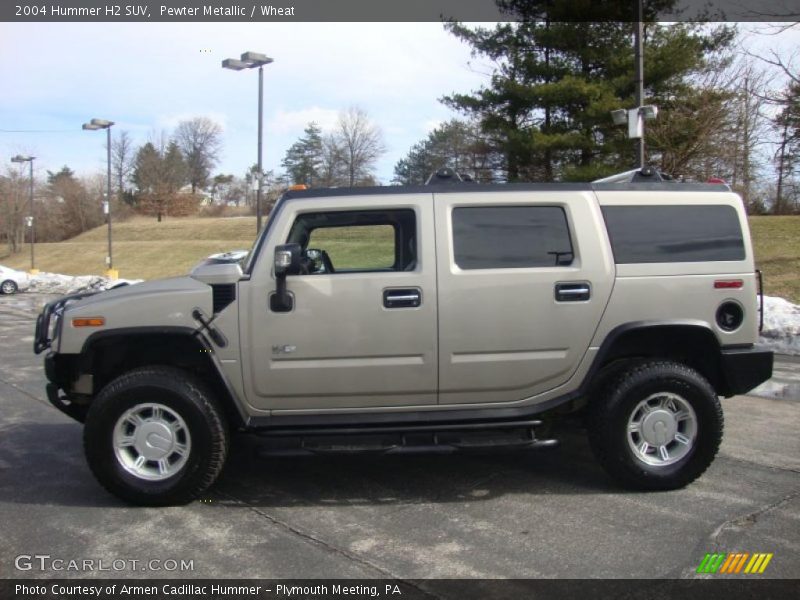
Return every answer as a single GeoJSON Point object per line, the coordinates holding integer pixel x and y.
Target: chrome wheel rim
{"type": "Point", "coordinates": [9, 287]}
{"type": "Point", "coordinates": [662, 429]}
{"type": "Point", "coordinates": [151, 441]}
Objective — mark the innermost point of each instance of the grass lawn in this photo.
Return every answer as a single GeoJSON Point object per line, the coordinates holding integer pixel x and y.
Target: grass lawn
{"type": "Point", "coordinates": [776, 241]}
{"type": "Point", "coordinates": [146, 249]}
{"type": "Point", "coordinates": [143, 248]}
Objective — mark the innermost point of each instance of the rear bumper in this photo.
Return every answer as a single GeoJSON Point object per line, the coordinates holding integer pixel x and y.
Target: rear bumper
{"type": "Point", "coordinates": [745, 368]}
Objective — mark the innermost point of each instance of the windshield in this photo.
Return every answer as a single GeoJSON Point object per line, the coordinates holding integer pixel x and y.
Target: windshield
{"type": "Point", "coordinates": [249, 261]}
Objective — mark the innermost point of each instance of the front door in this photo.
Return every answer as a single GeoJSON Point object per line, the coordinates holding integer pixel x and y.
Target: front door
{"type": "Point", "coordinates": [362, 329]}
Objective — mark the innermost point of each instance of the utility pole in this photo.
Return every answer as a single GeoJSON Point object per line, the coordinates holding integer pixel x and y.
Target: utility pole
{"type": "Point", "coordinates": [638, 38]}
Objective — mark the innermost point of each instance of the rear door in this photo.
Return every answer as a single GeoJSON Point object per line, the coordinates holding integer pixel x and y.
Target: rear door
{"type": "Point", "coordinates": [523, 280]}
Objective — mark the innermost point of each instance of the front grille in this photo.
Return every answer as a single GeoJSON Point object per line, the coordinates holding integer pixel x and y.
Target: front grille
{"type": "Point", "coordinates": [223, 295]}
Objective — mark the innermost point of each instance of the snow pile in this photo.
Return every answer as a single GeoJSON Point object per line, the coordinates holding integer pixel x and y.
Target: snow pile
{"type": "Point", "coordinates": [54, 283]}
{"type": "Point", "coordinates": [781, 326]}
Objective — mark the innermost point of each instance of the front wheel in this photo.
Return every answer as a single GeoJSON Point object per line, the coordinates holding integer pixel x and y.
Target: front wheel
{"type": "Point", "coordinates": [155, 437]}
{"type": "Point", "coordinates": [656, 426]}
{"type": "Point", "coordinates": [8, 287]}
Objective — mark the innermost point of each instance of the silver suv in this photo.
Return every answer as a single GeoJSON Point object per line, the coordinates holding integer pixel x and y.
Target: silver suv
{"type": "Point", "coordinates": [452, 317]}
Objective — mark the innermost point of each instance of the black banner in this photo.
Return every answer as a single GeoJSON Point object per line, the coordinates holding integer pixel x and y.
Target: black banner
{"type": "Point", "coordinates": [392, 10]}
{"type": "Point", "coordinates": [420, 589]}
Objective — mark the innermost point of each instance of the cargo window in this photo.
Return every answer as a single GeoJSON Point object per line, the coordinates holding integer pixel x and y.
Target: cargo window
{"type": "Point", "coordinates": [511, 237]}
{"type": "Point", "coordinates": [357, 241]}
{"type": "Point", "coordinates": [686, 233]}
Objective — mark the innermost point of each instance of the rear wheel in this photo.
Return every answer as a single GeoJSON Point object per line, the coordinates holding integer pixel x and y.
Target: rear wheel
{"type": "Point", "coordinates": [656, 425]}
{"type": "Point", "coordinates": [155, 437]}
{"type": "Point", "coordinates": [8, 287]}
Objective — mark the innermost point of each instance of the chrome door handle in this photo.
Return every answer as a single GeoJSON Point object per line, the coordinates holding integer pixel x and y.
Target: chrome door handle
{"type": "Point", "coordinates": [402, 298]}
{"type": "Point", "coordinates": [573, 292]}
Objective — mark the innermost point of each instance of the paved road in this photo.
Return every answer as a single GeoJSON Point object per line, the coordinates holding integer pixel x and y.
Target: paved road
{"type": "Point", "coordinates": [552, 514]}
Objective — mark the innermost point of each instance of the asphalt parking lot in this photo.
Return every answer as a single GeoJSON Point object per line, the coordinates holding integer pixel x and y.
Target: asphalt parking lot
{"type": "Point", "coordinates": [549, 514]}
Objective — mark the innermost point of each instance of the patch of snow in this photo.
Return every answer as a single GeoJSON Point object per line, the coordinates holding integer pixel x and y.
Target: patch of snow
{"type": "Point", "coordinates": [55, 283]}
{"type": "Point", "coordinates": [781, 332]}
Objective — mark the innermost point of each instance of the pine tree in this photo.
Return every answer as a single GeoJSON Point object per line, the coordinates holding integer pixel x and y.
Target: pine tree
{"type": "Point", "coordinates": [455, 144]}
{"type": "Point", "coordinates": [303, 159]}
{"type": "Point", "coordinates": [555, 82]}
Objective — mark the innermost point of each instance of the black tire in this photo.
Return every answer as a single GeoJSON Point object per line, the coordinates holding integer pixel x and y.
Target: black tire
{"type": "Point", "coordinates": [8, 287]}
{"type": "Point", "coordinates": [610, 410]}
{"type": "Point", "coordinates": [181, 393]}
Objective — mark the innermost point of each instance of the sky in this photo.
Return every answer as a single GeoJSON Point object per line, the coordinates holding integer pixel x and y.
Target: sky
{"type": "Point", "coordinates": [146, 77]}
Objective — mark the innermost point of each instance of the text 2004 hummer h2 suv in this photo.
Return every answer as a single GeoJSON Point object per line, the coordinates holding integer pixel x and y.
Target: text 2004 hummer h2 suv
{"type": "Point", "coordinates": [451, 316]}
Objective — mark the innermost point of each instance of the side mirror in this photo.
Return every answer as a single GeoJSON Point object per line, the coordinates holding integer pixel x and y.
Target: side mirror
{"type": "Point", "coordinates": [287, 259]}
{"type": "Point", "coordinates": [287, 262]}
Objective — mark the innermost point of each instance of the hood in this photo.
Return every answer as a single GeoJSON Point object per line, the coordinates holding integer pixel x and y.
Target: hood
{"type": "Point", "coordinates": [155, 305]}
{"type": "Point", "coordinates": [174, 285]}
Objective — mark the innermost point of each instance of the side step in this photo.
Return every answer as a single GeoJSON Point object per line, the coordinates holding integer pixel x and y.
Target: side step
{"type": "Point", "coordinates": [443, 438]}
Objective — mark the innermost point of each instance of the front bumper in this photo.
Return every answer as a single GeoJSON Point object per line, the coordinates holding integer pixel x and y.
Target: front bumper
{"type": "Point", "coordinates": [745, 368]}
{"type": "Point", "coordinates": [43, 336]}
{"type": "Point", "coordinates": [58, 368]}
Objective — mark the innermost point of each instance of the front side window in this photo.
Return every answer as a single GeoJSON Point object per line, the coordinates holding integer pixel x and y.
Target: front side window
{"type": "Point", "coordinates": [356, 241]}
{"type": "Point", "coordinates": [511, 237]}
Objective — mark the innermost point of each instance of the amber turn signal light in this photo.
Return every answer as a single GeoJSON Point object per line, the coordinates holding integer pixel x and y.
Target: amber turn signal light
{"type": "Point", "coordinates": [88, 321]}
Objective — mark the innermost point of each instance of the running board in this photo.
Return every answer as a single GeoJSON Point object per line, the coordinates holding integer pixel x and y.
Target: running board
{"type": "Point", "coordinates": [442, 439]}
{"type": "Point", "coordinates": [399, 428]}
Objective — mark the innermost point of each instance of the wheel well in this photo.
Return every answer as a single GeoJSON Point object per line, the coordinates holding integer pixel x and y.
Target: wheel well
{"type": "Point", "coordinates": [692, 345]}
{"type": "Point", "coordinates": [109, 357]}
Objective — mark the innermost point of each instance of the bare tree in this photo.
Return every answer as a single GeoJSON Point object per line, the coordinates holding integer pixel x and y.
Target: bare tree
{"type": "Point", "coordinates": [200, 142]}
{"type": "Point", "coordinates": [787, 157]}
{"type": "Point", "coordinates": [13, 203]}
{"type": "Point", "coordinates": [748, 132]}
{"type": "Point", "coordinates": [360, 144]}
{"type": "Point", "coordinates": [331, 171]}
{"type": "Point", "coordinates": [123, 155]}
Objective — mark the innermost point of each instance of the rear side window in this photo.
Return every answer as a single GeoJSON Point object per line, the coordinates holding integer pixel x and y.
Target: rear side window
{"type": "Point", "coordinates": [511, 237]}
{"type": "Point", "coordinates": [661, 234]}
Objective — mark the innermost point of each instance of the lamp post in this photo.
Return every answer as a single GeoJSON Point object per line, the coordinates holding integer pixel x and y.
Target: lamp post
{"type": "Point", "coordinates": [94, 125]}
{"type": "Point", "coordinates": [29, 159]}
{"type": "Point", "coordinates": [638, 42]}
{"type": "Point", "coordinates": [251, 60]}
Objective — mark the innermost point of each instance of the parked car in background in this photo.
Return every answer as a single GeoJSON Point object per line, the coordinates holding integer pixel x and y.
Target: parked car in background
{"type": "Point", "coordinates": [11, 280]}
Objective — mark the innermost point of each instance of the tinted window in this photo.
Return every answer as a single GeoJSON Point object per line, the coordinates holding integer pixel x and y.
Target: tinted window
{"type": "Point", "coordinates": [650, 234]}
{"type": "Point", "coordinates": [511, 237]}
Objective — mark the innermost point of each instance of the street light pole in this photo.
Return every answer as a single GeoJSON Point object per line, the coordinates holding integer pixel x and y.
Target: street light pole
{"type": "Point", "coordinates": [108, 195]}
{"type": "Point", "coordinates": [260, 144]}
{"type": "Point", "coordinates": [250, 60]}
{"type": "Point", "coordinates": [29, 159]}
{"type": "Point", "coordinates": [94, 125]}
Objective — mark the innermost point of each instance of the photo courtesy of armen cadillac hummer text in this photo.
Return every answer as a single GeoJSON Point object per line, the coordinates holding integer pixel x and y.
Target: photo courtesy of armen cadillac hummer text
{"type": "Point", "coordinates": [444, 317]}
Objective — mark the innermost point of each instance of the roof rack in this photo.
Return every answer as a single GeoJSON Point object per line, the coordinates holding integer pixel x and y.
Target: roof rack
{"type": "Point", "coordinates": [448, 176]}
{"type": "Point", "coordinates": [643, 175]}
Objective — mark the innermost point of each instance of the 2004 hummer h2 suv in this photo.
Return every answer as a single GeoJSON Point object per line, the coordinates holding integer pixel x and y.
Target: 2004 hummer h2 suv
{"type": "Point", "coordinates": [450, 316]}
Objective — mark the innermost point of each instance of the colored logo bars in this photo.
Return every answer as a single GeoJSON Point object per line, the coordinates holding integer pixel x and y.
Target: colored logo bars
{"type": "Point", "coordinates": [734, 563]}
